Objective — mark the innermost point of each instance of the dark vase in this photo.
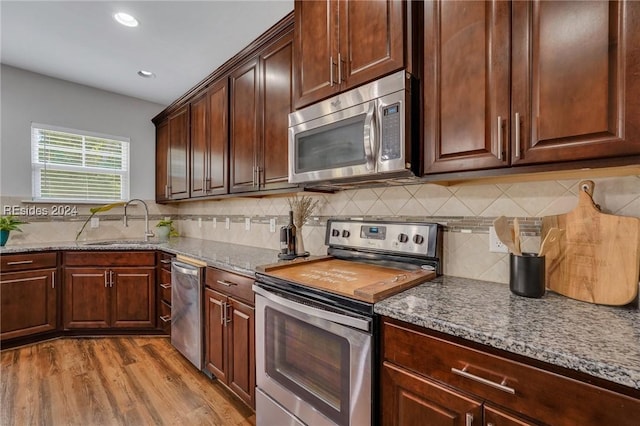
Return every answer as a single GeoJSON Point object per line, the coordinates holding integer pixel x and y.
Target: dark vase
{"type": "Point", "coordinates": [4, 236]}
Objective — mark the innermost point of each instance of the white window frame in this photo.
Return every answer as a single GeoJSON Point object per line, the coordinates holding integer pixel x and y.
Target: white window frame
{"type": "Point", "coordinates": [37, 166]}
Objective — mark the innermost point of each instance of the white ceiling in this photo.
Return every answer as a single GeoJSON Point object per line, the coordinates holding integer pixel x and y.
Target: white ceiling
{"type": "Point", "coordinates": [180, 41]}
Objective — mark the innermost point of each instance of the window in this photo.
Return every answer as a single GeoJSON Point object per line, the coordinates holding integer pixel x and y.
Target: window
{"type": "Point", "coordinates": [72, 165]}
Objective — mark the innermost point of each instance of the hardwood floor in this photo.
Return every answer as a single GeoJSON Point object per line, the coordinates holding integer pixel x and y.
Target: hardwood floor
{"type": "Point", "coordinates": [111, 381]}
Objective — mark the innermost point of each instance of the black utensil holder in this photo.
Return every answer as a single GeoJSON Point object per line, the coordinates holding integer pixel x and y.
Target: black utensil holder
{"type": "Point", "coordinates": [526, 275]}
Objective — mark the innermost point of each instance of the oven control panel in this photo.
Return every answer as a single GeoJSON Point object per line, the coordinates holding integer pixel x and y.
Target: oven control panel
{"type": "Point", "coordinates": [407, 238]}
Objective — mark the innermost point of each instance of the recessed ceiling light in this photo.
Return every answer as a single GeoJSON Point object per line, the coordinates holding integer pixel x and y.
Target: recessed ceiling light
{"type": "Point", "coordinates": [146, 74]}
{"type": "Point", "coordinates": [125, 19]}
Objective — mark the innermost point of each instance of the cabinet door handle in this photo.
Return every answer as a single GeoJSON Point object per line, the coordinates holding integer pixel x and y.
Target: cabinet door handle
{"type": "Point", "coordinates": [227, 316]}
{"type": "Point", "coordinates": [339, 68]}
{"type": "Point", "coordinates": [331, 70]}
{"type": "Point", "coordinates": [517, 124]}
{"type": "Point", "coordinates": [20, 262]}
{"type": "Point", "coordinates": [165, 318]}
{"type": "Point", "coordinates": [500, 137]}
{"type": "Point", "coordinates": [223, 313]}
{"type": "Point", "coordinates": [165, 285]}
{"type": "Point", "coordinates": [53, 279]}
{"type": "Point", "coordinates": [106, 280]}
{"type": "Point", "coordinates": [500, 386]}
{"type": "Point", "coordinates": [468, 420]}
{"type": "Point", "coordinates": [166, 191]}
{"type": "Point", "coordinates": [110, 278]}
{"type": "Point", "coordinates": [226, 283]}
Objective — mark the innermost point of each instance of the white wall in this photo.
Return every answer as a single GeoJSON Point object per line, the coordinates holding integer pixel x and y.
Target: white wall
{"type": "Point", "coordinates": [27, 97]}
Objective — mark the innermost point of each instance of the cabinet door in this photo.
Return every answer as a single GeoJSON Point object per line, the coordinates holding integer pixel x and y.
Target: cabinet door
{"type": "Point", "coordinates": [466, 85]}
{"type": "Point", "coordinates": [215, 335]}
{"type": "Point", "coordinates": [575, 85]}
{"type": "Point", "coordinates": [371, 40]}
{"type": "Point", "coordinates": [242, 364]}
{"type": "Point", "coordinates": [218, 142]}
{"type": "Point", "coordinates": [316, 50]}
{"type": "Point", "coordinates": [86, 298]}
{"type": "Point", "coordinates": [244, 127]}
{"type": "Point", "coordinates": [494, 416]}
{"type": "Point", "coordinates": [133, 297]}
{"type": "Point", "coordinates": [179, 154]}
{"type": "Point", "coordinates": [199, 140]}
{"type": "Point", "coordinates": [162, 161]}
{"type": "Point", "coordinates": [276, 70]}
{"type": "Point", "coordinates": [28, 303]}
{"type": "Point", "coordinates": [409, 399]}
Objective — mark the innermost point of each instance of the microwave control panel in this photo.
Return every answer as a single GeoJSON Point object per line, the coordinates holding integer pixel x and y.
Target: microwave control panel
{"type": "Point", "coordinates": [391, 132]}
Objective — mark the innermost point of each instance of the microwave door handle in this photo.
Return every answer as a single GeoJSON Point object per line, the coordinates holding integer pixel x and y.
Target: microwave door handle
{"type": "Point", "coordinates": [370, 137]}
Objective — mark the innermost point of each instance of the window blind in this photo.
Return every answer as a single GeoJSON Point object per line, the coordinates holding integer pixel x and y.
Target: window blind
{"type": "Point", "coordinates": [72, 165]}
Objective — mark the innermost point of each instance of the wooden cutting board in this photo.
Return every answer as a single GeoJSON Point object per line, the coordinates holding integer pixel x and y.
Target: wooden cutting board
{"type": "Point", "coordinates": [361, 281]}
{"type": "Point", "coordinates": [597, 259]}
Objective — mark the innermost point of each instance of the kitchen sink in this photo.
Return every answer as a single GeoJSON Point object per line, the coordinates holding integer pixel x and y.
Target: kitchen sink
{"type": "Point", "coordinates": [121, 243]}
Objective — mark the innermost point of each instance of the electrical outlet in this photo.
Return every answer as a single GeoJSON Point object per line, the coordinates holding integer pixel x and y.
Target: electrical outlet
{"type": "Point", "coordinates": [247, 224]}
{"type": "Point", "coordinates": [227, 223]}
{"type": "Point", "coordinates": [495, 245]}
{"type": "Point", "coordinates": [199, 222]}
{"type": "Point", "coordinates": [272, 225]}
{"type": "Point", "coordinates": [95, 222]}
{"type": "Point", "coordinates": [215, 223]}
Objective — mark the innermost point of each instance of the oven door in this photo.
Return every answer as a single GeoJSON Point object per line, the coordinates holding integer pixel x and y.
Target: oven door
{"type": "Point", "coordinates": [341, 144]}
{"type": "Point", "coordinates": [313, 363]}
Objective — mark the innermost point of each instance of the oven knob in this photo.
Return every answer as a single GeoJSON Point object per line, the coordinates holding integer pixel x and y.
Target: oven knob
{"type": "Point", "coordinates": [335, 233]}
{"type": "Point", "coordinates": [418, 239]}
{"type": "Point", "coordinates": [346, 234]}
{"type": "Point", "coordinates": [403, 238]}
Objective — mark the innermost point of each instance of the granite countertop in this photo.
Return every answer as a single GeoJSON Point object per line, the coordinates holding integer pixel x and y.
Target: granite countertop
{"type": "Point", "coordinates": [230, 257]}
{"type": "Point", "coordinates": [602, 341]}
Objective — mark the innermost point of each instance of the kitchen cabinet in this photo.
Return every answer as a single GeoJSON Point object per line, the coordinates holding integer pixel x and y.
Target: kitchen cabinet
{"type": "Point", "coordinates": [441, 380]}
{"type": "Point", "coordinates": [529, 82]}
{"type": "Point", "coordinates": [28, 295]}
{"type": "Point", "coordinates": [230, 332]}
{"type": "Point", "coordinates": [172, 156]}
{"type": "Point", "coordinates": [109, 290]}
{"type": "Point", "coordinates": [209, 141]}
{"type": "Point", "coordinates": [259, 107]}
{"type": "Point", "coordinates": [163, 290]}
{"type": "Point", "coordinates": [341, 44]}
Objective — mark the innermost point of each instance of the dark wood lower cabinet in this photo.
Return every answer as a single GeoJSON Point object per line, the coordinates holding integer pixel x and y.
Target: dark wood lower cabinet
{"type": "Point", "coordinates": [230, 332]}
{"type": "Point", "coordinates": [28, 303]}
{"type": "Point", "coordinates": [431, 379]}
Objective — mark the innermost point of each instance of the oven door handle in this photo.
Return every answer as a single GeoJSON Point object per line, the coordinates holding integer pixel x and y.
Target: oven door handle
{"type": "Point", "coordinates": [350, 321]}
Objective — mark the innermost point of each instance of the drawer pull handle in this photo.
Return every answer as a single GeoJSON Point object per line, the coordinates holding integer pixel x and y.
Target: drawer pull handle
{"type": "Point", "coordinates": [20, 262]}
{"type": "Point", "coordinates": [165, 261]}
{"type": "Point", "coordinates": [468, 419]}
{"type": "Point", "coordinates": [226, 283]}
{"type": "Point", "coordinates": [165, 318]}
{"type": "Point", "coordinates": [501, 386]}
{"type": "Point", "coordinates": [165, 285]}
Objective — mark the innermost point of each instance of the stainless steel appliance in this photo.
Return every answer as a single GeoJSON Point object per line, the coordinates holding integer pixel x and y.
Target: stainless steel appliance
{"type": "Point", "coordinates": [364, 134]}
{"type": "Point", "coordinates": [315, 325]}
{"type": "Point", "coordinates": [186, 311]}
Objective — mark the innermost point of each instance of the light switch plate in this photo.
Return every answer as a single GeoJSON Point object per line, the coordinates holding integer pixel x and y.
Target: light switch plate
{"type": "Point", "coordinates": [215, 222]}
{"type": "Point", "coordinates": [199, 222]}
{"type": "Point", "coordinates": [227, 223]}
{"type": "Point", "coordinates": [272, 225]}
{"type": "Point", "coordinates": [95, 222]}
{"type": "Point", "coordinates": [247, 224]}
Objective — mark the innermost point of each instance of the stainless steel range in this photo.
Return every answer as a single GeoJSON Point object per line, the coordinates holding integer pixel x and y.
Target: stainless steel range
{"type": "Point", "coordinates": [316, 348]}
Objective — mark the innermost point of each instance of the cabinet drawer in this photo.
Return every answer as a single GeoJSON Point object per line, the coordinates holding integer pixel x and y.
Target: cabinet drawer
{"type": "Point", "coordinates": [164, 317]}
{"type": "Point", "coordinates": [27, 261]}
{"type": "Point", "coordinates": [230, 284]}
{"type": "Point", "coordinates": [527, 390]}
{"type": "Point", "coordinates": [109, 258]}
{"type": "Point", "coordinates": [164, 286]}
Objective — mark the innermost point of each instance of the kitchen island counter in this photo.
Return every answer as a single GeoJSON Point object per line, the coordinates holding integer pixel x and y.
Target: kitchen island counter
{"type": "Point", "coordinates": [601, 341]}
{"type": "Point", "coordinates": [226, 256]}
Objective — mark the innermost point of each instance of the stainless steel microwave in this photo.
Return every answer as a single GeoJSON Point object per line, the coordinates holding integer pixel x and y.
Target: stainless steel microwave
{"type": "Point", "coordinates": [363, 134]}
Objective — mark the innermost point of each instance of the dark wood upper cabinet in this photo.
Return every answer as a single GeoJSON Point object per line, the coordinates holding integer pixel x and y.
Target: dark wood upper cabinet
{"type": "Point", "coordinates": [529, 82]}
{"type": "Point", "coordinates": [340, 44]}
{"type": "Point", "coordinates": [178, 172]}
{"type": "Point", "coordinates": [162, 161]}
{"type": "Point", "coordinates": [199, 140]}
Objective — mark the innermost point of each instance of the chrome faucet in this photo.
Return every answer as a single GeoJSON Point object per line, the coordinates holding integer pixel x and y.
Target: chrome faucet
{"type": "Point", "coordinates": [147, 232]}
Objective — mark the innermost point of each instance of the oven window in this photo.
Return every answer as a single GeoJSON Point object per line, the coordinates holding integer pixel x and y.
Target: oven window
{"type": "Point", "coordinates": [332, 146]}
{"type": "Point", "coordinates": [311, 362]}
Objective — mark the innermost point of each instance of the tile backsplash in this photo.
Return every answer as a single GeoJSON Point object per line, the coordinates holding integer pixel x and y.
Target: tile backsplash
{"type": "Point", "coordinates": [466, 211]}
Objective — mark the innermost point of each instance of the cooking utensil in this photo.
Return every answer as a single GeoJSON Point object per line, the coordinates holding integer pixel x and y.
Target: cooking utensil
{"type": "Point", "coordinates": [516, 235]}
{"type": "Point", "coordinates": [505, 234]}
{"type": "Point", "coordinates": [598, 260]}
{"type": "Point", "coordinates": [550, 241]}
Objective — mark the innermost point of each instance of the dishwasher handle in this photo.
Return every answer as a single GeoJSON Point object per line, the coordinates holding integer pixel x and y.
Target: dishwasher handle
{"type": "Point", "coordinates": [185, 268]}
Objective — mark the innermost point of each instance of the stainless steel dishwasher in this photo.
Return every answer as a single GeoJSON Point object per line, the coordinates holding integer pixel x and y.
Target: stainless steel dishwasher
{"type": "Point", "coordinates": [186, 311]}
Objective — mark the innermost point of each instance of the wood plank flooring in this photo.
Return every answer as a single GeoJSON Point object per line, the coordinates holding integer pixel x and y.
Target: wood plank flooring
{"type": "Point", "coordinates": [111, 381]}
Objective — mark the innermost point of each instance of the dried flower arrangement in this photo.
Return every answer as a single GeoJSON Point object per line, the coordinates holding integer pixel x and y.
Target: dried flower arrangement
{"type": "Point", "coordinates": [302, 208]}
